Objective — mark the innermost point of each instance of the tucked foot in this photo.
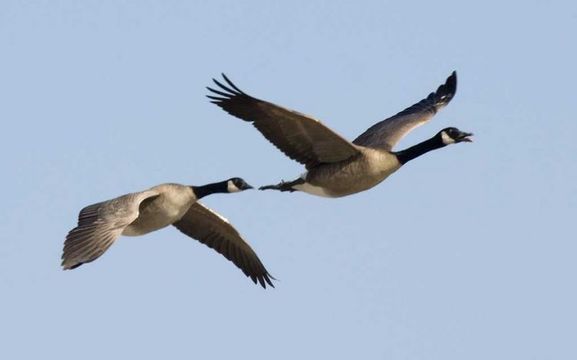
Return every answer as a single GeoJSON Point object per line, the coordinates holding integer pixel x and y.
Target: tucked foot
{"type": "Point", "coordinates": [283, 186]}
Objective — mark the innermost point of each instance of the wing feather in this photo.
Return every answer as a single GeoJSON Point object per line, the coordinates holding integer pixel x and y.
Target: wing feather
{"type": "Point", "coordinates": [387, 133]}
{"type": "Point", "coordinates": [216, 232]}
{"type": "Point", "coordinates": [300, 137]}
{"type": "Point", "coordinates": [99, 225]}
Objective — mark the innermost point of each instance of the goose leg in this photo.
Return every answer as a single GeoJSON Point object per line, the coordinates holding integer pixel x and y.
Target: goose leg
{"type": "Point", "coordinates": [283, 186]}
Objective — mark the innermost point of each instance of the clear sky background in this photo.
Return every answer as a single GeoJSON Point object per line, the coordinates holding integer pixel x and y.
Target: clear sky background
{"type": "Point", "coordinates": [466, 253]}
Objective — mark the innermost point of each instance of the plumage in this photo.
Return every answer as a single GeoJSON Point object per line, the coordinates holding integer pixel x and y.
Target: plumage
{"type": "Point", "coordinates": [216, 232]}
{"type": "Point", "coordinates": [387, 133]}
{"type": "Point", "coordinates": [100, 224]}
{"type": "Point", "coordinates": [335, 166]}
{"type": "Point", "coordinates": [300, 137]}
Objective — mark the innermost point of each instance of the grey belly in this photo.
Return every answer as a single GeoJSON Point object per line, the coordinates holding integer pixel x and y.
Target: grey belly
{"type": "Point", "coordinates": [337, 180]}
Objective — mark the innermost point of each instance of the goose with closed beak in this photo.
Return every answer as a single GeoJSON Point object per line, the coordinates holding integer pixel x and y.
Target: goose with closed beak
{"type": "Point", "coordinates": [139, 213]}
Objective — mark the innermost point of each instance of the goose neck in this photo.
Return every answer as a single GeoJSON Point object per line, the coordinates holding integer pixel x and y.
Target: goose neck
{"type": "Point", "coordinates": [415, 151]}
{"type": "Point", "coordinates": [213, 188]}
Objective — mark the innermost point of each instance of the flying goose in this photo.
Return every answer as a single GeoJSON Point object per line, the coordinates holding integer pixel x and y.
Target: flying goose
{"type": "Point", "coordinates": [139, 213]}
{"type": "Point", "coordinates": [336, 167]}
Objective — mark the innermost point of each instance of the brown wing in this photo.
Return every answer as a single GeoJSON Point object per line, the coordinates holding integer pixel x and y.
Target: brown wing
{"type": "Point", "coordinates": [216, 232]}
{"type": "Point", "coordinates": [387, 133]}
{"type": "Point", "coordinates": [99, 225]}
{"type": "Point", "coordinates": [298, 136]}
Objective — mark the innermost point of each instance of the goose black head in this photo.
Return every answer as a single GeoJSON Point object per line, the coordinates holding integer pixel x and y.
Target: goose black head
{"type": "Point", "coordinates": [452, 135]}
{"type": "Point", "coordinates": [237, 184]}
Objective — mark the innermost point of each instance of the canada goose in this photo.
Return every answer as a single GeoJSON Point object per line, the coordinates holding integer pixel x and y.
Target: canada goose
{"type": "Point", "coordinates": [335, 166]}
{"type": "Point", "coordinates": [139, 213]}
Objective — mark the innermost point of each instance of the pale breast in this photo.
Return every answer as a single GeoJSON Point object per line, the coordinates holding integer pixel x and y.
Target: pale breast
{"type": "Point", "coordinates": [158, 212]}
{"type": "Point", "coordinates": [345, 178]}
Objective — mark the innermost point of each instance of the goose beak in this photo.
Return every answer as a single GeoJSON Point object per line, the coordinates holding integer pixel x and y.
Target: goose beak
{"type": "Point", "coordinates": [465, 137]}
{"type": "Point", "coordinates": [246, 187]}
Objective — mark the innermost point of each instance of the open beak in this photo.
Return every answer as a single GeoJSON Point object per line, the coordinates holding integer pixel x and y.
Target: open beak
{"type": "Point", "coordinates": [465, 137]}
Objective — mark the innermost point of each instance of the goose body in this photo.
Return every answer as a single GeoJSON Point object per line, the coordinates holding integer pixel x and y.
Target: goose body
{"type": "Point", "coordinates": [168, 205]}
{"type": "Point", "coordinates": [139, 213]}
{"type": "Point", "coordinates": [347, 177]}
{"type": "Point", "coordinates": [335, 166]}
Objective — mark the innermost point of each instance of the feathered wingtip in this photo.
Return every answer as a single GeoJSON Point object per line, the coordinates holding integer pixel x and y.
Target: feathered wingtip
{"type": "Point", "coordinates": [445, 92]}
{"type": "Point", "coordinates": [226, 92]}
{"type": "Point", "coordinates": [263, 279]}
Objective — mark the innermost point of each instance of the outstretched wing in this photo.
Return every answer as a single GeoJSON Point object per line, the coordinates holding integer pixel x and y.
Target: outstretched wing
{"type": "Point", "coordinates": [216, 232]}
{"type": "Point", "coordinates": [99, 225]}
{"type": "Point", "coordinates": [387, 133]}
{"type": "Point", "coordinates": [300, 137]}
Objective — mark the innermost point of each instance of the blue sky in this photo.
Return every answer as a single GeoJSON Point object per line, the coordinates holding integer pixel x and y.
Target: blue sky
{"type": "Point", "coordinates": [467, 252]}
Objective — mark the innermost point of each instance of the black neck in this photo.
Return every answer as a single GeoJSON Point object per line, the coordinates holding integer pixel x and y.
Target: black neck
{"type": "Point", "coordinates": [409, 154]}
{"type": "Point", "coordinates": [204, 190]}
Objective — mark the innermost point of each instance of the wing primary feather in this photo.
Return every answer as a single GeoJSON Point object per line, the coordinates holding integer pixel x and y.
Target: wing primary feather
{"type": "Point", "coordinates": [221, 93]}
{"type": "Point", "coordinates": [446, 91]}
{"type": "Point", "coordinates": [99, 225]}
{"type": "Point", "coordinates": [300, 137]}
{"type": "Point", "coordinates": [268, 279]}
{"type": "Point", "coordinates": [231, 84]}
{"type": "Point", "coordinates": [226, 88]}
{"type": "Point", "coordinates": [217, 98]}
{"type": "Point", "coordinates": [215, 232]}
{"type": "Point", "coordinates": [387, 133]}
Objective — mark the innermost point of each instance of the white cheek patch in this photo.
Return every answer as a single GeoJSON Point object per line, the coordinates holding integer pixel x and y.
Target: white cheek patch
{"type": "Point", "coordinates": [231, 187]}
{"type": "Point", "coordinates": [447, 140]}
